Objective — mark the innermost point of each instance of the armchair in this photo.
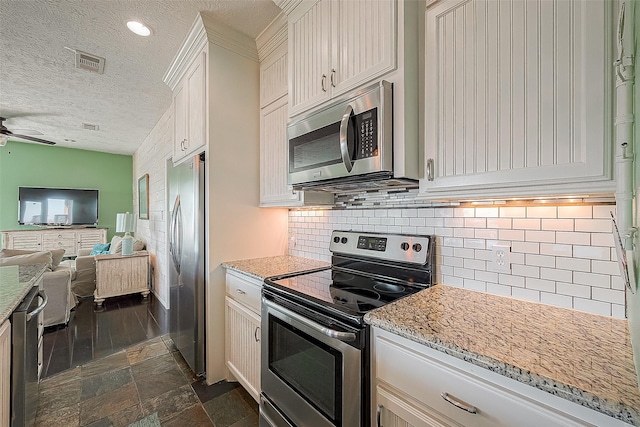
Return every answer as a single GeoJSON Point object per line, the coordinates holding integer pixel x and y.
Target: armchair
{"type": "Point", "coordinates": [84, 282]}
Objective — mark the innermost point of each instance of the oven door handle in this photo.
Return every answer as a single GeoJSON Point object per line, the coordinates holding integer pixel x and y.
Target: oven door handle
{"type": "Point", "coordinates": [331, 333]}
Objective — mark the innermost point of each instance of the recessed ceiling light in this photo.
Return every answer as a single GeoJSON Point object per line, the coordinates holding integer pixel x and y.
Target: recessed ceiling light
{"type": "Point", "coordinates": [139, 28]}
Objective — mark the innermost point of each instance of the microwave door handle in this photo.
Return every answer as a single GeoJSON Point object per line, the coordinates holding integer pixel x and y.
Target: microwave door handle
{"type": "Point", "coordinates": [344, 134]}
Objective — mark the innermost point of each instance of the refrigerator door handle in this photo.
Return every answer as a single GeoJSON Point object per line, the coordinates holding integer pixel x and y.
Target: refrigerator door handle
{"type": "Point", "coordinates": [174, 239]}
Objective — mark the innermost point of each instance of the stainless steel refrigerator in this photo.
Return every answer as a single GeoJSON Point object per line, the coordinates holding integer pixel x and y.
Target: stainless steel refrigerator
{"type": "Point", "coordinates": [186, 207]}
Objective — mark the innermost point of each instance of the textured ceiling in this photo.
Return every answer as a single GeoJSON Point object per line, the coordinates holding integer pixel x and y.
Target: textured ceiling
{"type": "Point", "coordinates": [41, 90]}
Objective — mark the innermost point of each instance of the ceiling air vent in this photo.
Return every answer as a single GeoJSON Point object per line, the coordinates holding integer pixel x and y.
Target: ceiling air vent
{"type": "Point", "coordinates": [89, 126]}
{"type": "Point", "coordinates": [89, 62]}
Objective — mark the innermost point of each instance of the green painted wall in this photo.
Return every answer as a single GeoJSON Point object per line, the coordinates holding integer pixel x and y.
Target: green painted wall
{"type": "Point", "coordinates": [36, 165]}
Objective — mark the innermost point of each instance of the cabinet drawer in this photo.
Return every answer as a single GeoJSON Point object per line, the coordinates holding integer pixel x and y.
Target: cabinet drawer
{"type": "Point", "coordinates": [424, 376]}
{"type": "Point", "coordinates": [61, 240]}
{"type": "Point", "coordinates": [245, 291]}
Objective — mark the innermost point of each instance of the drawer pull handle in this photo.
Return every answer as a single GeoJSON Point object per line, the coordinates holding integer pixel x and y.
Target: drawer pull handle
{"type": "Point", "coordinates": [378, 415]}
{"type": "Point", "coordinates": [240, 291]}
{"type": "Point", "coordinates": [256, 333]}
{"type": "Point", "coordinates": [459, 403]}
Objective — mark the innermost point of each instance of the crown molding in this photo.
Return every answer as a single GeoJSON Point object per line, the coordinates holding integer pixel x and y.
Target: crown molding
{"type": "Point", "coordinates": [274, 36]}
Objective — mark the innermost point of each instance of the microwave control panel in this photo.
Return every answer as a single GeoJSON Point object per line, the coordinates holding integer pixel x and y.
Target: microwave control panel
{"type": "Point", "coordinates": [367, 134]}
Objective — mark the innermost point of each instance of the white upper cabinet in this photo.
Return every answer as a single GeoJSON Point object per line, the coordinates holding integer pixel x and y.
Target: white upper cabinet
{"type": "Point", "coordinates": [518, 98]}
{"type": "Point", "coordinates": [189, 109]}
{"type": "Point", "coordinates": [337, 46]}
{"type": "Point", "coordinates": [274, 190]}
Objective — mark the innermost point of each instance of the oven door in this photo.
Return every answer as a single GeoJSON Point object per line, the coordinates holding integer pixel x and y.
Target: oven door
{"type": "Point", "coordinates": [351, 137]}
{"type": "Point", "coordinates": [310, 372]}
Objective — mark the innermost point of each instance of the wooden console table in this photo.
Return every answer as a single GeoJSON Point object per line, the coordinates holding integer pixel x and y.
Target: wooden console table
{"type": "Point", "coordinates": [121, 275]}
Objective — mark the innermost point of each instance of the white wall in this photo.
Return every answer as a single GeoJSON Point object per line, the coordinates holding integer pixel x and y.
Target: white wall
{"type": "Point", "coordinates": [151, 158]}
{"type": "Point", "coordinates": [561, 255]}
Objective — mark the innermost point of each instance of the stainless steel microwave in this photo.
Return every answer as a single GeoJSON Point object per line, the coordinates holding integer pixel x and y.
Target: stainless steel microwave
{"type": "Point", "coordinates": [345, 145]}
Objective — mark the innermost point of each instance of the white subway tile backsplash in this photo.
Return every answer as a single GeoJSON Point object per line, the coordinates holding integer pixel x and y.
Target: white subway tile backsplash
{"type": "Point", "coordinates": [556, 299]}
{"type": "Point", "coordinates": [608, 295]}
{"type": "Point", "coordinates": [604, 211]}
{"type": "Point", "coordinates": [556, 249]}
{"type": "Point", "coordinates": [499, 222]}
{"type": "Point", "coordinates": [542, 212]}
{"type": "Point", "coordinates": [592, 252]}
{"type": "Point", "coordinates": [573, 289]}
{"type": "Point", "coordinates": [560, 255]}
{"type": "Point", "coordinates": [517, 235]}
{"type": "Point", "coordinates": [540, 260]}
{"type": "Point", "coordinates": [513, 212]}
{"type": "Point", "coordinates": [540, 236]}
{"type": "Point", "coordinates": [573, 238]}
{"type": "Point", "coordinates": [497, 289]}
{"type": "Point", "coordinates": [487, 212]}
{"type": "Point", "coordinates": [593, 225]}
{"type": "Point", "coordinates": [510, 280]}
{"type": "Point", "coordinates": [526, 294]}
{"type": "Point", "coordinates": [556, 274]}
{"type": "Point", "coordinates": [602, 239]}
{"type": "Point", "coordinates": [540, 284]}
{"type": "Point", "coordinates": [592, 279]}
{"type": "Point", "coordinates": [557, 224]}
{"type": "Point", "coordinates": [525, 247]}
{"type": "Point", "coordinates": [575, 212]}
{"type": "Point", "coordinates": [592, 306]}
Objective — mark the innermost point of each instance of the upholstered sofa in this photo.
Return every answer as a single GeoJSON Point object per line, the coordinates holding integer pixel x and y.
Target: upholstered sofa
{"type": "Point", "coordinates": [56, 281]}
{"type": "Point", "coordinates": [83, 284]}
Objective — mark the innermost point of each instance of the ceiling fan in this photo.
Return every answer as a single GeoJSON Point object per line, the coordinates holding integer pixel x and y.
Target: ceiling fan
{"type": "Point", "coordinates": [5, 134]}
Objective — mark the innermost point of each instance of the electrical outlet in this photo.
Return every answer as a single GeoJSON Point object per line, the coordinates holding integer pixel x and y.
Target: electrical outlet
{"type": "Point", "coordinates": [501, 258]}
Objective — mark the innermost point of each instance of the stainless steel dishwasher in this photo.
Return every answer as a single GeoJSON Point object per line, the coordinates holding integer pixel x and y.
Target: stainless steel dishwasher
{"type": "Point", "coordinates": [25, 358]}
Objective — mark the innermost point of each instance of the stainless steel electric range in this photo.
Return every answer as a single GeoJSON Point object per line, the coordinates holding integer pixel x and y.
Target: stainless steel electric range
{"type": "Point", "coordinates": [315, 344]}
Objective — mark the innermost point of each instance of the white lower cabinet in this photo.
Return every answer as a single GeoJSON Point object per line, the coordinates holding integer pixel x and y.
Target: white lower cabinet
{"type": "Point", "coordinates": [419, 386]}
{"type": "Point", "coordinates": [242, 320]}
{"type": "Point", "coordinates": [5, 372]}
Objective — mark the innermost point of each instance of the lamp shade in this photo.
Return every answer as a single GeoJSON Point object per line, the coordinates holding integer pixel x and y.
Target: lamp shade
{"type": "Point", "coordinates": [125, 222]}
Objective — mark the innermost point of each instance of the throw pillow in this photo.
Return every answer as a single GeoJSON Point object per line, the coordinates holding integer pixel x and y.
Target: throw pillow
{"type": "Point", "coordinates": [100, 249]}
{"type": "Point", "coordinates": [6, 253]}
{"type": "Point", "coordinates": [116, 245]}
{"type": "Point", "coordinates": [27, 259]}
{"type": "Point", "coordinates": [56, 257]}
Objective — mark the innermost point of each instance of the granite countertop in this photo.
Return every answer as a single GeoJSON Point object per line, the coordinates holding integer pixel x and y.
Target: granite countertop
{"type": "Point", "coordinates": [581, 357]}
{"type": "Point", "coordinates": [15, 282]}
{"type": "Point", "coordinates": [261, 268]}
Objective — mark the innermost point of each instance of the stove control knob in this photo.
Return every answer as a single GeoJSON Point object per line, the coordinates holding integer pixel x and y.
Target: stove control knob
{"type": "Point", "coordinates": [404, 246]}
{"type": "Point", "coordinates": [417, 247]}
{"type": "Point", "coordinates": [344, 240]}
{"type": "Point", "coordinates": [336, 239]}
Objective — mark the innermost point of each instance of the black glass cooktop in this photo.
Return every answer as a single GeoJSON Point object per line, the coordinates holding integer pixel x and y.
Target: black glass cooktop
{"type": "Point", "coordinates": [350, 293]}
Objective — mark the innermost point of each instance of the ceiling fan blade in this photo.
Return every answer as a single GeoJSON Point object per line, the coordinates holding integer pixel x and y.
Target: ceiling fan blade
{"type": "Point", "coordinates": [31, 138]}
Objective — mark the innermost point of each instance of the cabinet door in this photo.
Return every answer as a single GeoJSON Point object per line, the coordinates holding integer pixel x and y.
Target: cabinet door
{"type": "Point", "coordinates": [243, 345]}
{"type": "Point", "coordinates": [87, 239]}
{"type": "Point", "coordinates": [29, 241]}
{"type": "Point", "coordinates": [5, 372]}
{"type": "Point", "coordinates": [274, 190]}
{"type": "Point", "coordinates": [518, 97]}
{"type": "Point", "coordinates": [393, 411]}
{"type": "Point", "coordinates": [179, 121]}
{"type": "Point", "coordinates": [363, 43]}
{"type": "Point", "coordinates": [195, 83]}
{"type": "Point", "coordinates": [309, 43]}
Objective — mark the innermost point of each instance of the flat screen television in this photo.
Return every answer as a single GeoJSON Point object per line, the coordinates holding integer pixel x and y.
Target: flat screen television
{"type": "Point", "coordinates": [57, 206]}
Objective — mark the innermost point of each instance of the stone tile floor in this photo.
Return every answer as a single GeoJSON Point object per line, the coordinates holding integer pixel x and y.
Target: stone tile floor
{"type": "Point", "coordinates": [147, 378]}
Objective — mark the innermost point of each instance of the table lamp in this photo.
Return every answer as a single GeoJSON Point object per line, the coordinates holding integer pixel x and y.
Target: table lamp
{"type": "Point", "coordinates": [125, 224]}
